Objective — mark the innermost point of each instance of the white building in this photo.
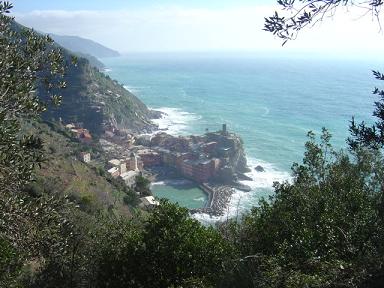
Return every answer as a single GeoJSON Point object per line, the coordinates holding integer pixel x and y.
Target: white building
{"type": "Point", "coordinates": [129, 177]}
{"type": "Point", "coordinates": [114, 171]}
{"type": "Point", "coordinates": [148, 202]}
{"type": "Point", "coordinates": [85, 157]}
{"type": "Point", "coordinates": [114, 162]}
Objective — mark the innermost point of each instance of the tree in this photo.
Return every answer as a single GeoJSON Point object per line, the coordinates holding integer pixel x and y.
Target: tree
{"type": "Point", "coordinates": [28, 61]}
{"type": "Point", "coordinates": [32, 230]}
{"type": "Point", "coordinates": [303, 13]}
{"type": "Point", "coordinates": [142, 186]}
{"type": "Point", "coordinates": [168, 250]}
{"type": "Point", "coordinates": [323, 229]}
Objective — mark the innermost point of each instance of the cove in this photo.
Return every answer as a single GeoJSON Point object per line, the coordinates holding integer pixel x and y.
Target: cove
{"type": "Point", "coordinates": [186, 193]}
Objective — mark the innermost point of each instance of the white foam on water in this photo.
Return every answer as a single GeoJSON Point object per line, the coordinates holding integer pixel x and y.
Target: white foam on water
{"type": "Point", "coordinates": [200, 199]}
{"type": "Point", "coordinates": [241, 202]}
{"type": "Point", "coordinates": [266, 111]}
{"type": "Point", "coordinates": [175, 121]}
{"type": "Point", "coordinates": [134, 89]}
{"type": "Point", "coordinates": [158, 183]}
{"type": "Point", "coordinates": [266, 178]}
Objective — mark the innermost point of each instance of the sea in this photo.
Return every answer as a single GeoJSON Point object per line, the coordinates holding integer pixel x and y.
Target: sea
{"type": "Point", "coordinates": [270, 100]}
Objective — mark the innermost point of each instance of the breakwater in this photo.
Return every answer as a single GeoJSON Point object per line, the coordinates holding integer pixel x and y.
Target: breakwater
{"type": "Point", "coordinates": [218, 199]}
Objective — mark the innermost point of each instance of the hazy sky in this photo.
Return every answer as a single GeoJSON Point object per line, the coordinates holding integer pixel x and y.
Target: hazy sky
{"type": "Point", "coordinates": [195, 25]}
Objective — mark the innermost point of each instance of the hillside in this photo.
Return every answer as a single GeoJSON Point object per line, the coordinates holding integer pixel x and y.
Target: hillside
{"type": "Point", "coordinates": [92, 60]}
{"type": "Point", "coordinates": [84, 46]}
{"type": "Point", "coordinates": [87, 184]}
{"type": "Point", "coordinates": [94, 99]}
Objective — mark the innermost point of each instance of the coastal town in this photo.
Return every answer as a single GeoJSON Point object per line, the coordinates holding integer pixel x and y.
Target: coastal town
{"type": "Point", "coordinates": [215, 161]}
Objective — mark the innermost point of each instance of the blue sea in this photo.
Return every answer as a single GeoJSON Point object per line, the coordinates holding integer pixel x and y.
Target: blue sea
{"type": "Point", "coordinates": [271, 101]}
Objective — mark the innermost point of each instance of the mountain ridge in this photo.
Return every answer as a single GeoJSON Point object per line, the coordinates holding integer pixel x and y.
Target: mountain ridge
{"type": "Point", "coordinates": [85, 46]}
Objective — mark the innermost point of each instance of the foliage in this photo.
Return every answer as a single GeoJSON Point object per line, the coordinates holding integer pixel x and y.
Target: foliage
{"type": "Point", "coordinates": [169, 250]}
{"type": "Point", "coordinates": [142, 186]}
{"type": "Point", "coordinates": [302, 13]}
{"type": "Point", "coordinates": [370, 136]}
{"type": "Point", "coordinates": [26, 58]}
{"type": "Point", "coordinates": [322, 230]}
{"type": "Point", "coordinates": [92, 99]}
{"type": "Point", "coordinates": [30, 229]}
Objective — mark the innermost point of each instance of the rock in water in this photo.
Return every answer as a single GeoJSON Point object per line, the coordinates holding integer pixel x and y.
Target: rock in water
{"type": "Point", "coordinates": [259, 168]}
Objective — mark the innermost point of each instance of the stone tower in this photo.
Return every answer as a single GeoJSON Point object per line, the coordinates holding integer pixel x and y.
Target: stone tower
{"type": "Point", "coordinates": [133, 162]}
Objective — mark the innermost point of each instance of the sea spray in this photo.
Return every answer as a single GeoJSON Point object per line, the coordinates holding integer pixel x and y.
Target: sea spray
{"type": "Point", "coordinates": [175, 121]}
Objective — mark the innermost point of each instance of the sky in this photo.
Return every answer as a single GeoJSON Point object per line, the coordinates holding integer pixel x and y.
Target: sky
{"type": "Point", "coordinates": [196, 25]}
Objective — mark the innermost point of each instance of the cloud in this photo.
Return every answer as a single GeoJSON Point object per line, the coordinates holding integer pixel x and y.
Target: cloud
{"type": "Point", "coordinates": [188, 29]}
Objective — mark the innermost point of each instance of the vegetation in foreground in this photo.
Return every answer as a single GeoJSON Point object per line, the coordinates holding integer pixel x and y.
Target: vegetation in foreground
{"type": "Point", "coordinates": [325, 229]}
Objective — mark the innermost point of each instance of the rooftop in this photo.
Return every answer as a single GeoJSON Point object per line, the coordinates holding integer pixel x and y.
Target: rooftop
{"type": "Point", "coordinates": [114, 162]}
{"type": "Point", "coordinates": [149, 200]}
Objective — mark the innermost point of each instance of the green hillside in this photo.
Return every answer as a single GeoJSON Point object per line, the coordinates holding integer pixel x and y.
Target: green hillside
{"type": "Point", "coordinates": [87, 184]}
{"type": "Point", "coordinates": [92, 98]}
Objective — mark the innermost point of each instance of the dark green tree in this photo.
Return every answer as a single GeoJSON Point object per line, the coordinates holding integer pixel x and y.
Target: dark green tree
{"type": "Point", "coordinates": [33, 231]}
{"type": "Point", "coordinates": [168, 250]}
{"type": "Point", "coordinates": [143, 185]}
{"type": "Point", "coordinates": [324, 228]}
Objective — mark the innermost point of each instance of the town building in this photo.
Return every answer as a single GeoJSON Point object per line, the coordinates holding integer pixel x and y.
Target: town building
{"type": "Point", "coordinates": [119, 164]}
{"type": "Point", "coordinates": [200, 170]}
{"type": "Point", "coordinates": [70, 126]}
{"type": "Point", "coordinates": [132, 162]}
{"type": "Point", "coordinates": [168, 158]}
{"type": "Point", "coordinates": [114, 162]}
{"type": "Point", "coordinates": [122, 167]}
{"type": "Point", "coordinates": [140, 164]}
{"type": "Point", "coordinates": [85, 157]}
{"type": "Point", "coordinates": [209, 147]}
{"type": "Point", "coordinates": [148, 202]}
{"type": "Point", "coordinates": [114, 171]}
{"type": "Point", "coordinates": [129, 178]}
{"type": "Point", "coordinates": [83, 135]}
{"type": "Point", "coordinates": [149, 157]}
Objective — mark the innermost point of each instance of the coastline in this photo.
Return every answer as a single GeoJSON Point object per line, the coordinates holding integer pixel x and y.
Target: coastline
{"type": "Point", "coordinates": [218, 195]}
{"type": "Point", "coordinates": [225, 200]}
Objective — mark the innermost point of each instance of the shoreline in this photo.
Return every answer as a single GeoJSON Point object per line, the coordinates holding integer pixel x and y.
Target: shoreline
{"type": "Point", "coordinates": [218, 194]}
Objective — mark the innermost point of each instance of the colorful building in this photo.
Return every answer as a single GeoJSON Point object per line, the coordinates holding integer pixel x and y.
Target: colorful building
{"type": "Point", "coordinates": [149, 157]}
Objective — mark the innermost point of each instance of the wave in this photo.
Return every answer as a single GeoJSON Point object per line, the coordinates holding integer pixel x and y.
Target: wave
{"type": "Point", "coordinates": [266, 111]}
{"type": "Point", "coordinates": [241, 202]}
{"type": "Point", "coordinates": [134, 89]}
{"type": "Point", "coordinates": [175, 121]}
{"type": "Point", "coordinates": [158, 183]}
{"type": "Point", "coordinates": [200, 199]}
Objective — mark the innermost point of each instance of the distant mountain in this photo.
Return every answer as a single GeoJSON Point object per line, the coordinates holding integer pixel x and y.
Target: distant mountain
{"type": "Point", "coordinates": [84, 46]}
{"type": "Point", "coordinates": [92, 60]}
